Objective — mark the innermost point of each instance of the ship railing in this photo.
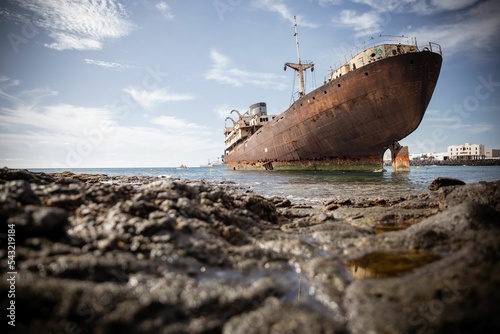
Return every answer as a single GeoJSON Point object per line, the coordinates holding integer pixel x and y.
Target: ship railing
{"type": "Point", "coordinates": [435, 47]}
{"type": "Point", "coordinates": [374, 41]}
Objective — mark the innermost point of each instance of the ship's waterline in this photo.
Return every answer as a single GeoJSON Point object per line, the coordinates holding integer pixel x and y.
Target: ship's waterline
{"type": "Point", "coordinates": [332, 164]}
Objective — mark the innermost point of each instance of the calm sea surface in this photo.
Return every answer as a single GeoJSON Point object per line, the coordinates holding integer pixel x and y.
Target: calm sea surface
{"type": "Point", "coordinates": [313, 187]}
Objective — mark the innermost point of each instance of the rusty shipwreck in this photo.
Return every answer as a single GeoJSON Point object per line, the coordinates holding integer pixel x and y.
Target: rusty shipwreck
{"type": "Point", "coordinates": [364, 108]}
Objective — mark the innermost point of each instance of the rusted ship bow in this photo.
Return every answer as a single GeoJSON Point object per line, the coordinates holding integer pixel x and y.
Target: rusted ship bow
{"type": "Point", "coordinates": [365, 107]}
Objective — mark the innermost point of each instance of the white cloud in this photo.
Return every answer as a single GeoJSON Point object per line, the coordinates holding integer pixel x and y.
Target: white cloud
{"type": "Point", "coordinates": [452, 4]}
{"type": "Point", "coordinates": [61, 118]}
{"type": "Point", "coordinates": [473, 129]}
{"type": "Point", "coordinates": [5, 83]}
{"type": "Point", "coordinates": [418, 6]}
{"type": "Point", "coordinates": [222, 111]}
{"type": "Point", "coordinates": [326, 3]}
{"type": "Point", "coordinates": [80, 25]}
{"type": "Point", "coordinates": [475, 27]}
{"type": "Point", "coordinates": [368, 23]}
{"type": "Point", "coordinates": [175, 123]}
{"type": "Point", "coordinates": [475, 30]}
{"type": "Point", "coordinates": [480, 128]}
{"type": "Point", "coordinates": [107, 64]}
{"type": "Point", "coordinates": [150, 98]}
{"type": "Point", "coordinates": [165, 10]}
{"type": "Point", "coordinates": [68, 136]}
{"type": "Point", "coordinates": [278, 6]}
{"type": "Point", "coordinates": [223, 72]}
{"type": "Point", "coordinates": [26, 98]}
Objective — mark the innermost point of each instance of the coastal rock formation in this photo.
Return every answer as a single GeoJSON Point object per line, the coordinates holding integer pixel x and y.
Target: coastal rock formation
{"type": "Point", "coordinates": [100, 254]}
{"type": "Point", "coordinates": [445, 182]}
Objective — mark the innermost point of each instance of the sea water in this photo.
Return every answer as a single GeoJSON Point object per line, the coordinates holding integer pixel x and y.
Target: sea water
{"type": "Point", "coordinates": [312, 186]}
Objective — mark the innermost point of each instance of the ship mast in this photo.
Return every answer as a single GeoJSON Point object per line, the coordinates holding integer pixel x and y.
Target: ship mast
{"type": "Point", "coordinates": [299, 67]}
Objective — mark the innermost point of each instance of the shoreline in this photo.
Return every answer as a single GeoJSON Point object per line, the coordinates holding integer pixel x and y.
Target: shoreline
{"type": "Point", "coordinates": [145, 254]}
{"type": "Point", "coordinates": [479, 163]}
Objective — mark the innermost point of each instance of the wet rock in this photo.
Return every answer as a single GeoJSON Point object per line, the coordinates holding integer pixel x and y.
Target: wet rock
{"type": "Point", "coordinates": [35, 221]}
{"type": "Point", "coordinates": [100, 254]}
{"type": "Point", "coordinates": [482, 193]}
{"type": "Point", "coordinates": [448, 295]}
{"type": "Point", "coordinates": [281, 202]}
{"type": "Point", "coordinates": [20, 191]}
{"type": "Point", "coordinates": [466, 224]}
{"type": "Point", "coordinates": [274, 316]}
{"type": "Point", "coordinates": [444, 182]}
{"type": "Point", "coordinates": [338, 202]}
{"type": "Point", "coordinates": [7, 174]}
{"type": "Point", "coordinates": [69, 177]}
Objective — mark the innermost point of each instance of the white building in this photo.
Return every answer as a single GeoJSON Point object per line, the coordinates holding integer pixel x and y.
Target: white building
{"type": "Point", "coordinates": [429, 156]}
{"type": "Point", "coordinates": [466, 152]}
{"type": "Point", "coordinates": [492, 153]}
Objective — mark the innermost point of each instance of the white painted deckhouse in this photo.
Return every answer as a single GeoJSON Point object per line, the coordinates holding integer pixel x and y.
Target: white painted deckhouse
{"type": "Point", "coordinates": [466, 152]}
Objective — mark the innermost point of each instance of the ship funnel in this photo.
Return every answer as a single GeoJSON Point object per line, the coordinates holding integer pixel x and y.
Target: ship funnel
{"type": "Point", "coordinates": [258, 109]}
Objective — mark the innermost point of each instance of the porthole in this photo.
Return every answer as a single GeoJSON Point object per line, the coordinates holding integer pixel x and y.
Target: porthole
{"type": "Point", "coordinates": [324, 92]}
{"type": "Point", "coordinates": [366, 74]}
{"type": "Point", "coordinates": [338, 85]}
{"type": "Point", "coordinates": [314, 97]}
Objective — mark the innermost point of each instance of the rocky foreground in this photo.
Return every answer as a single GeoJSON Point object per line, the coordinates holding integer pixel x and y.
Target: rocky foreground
{"type": "Point", "coordinates": [99, 254]}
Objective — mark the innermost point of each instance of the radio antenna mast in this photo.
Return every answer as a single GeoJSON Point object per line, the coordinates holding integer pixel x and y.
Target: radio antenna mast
{"type": "Point", "coordinates": [299, 67]}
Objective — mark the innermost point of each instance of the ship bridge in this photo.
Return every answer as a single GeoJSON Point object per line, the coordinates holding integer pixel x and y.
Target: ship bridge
{"type": "Point", "coordinates": [247, 124]}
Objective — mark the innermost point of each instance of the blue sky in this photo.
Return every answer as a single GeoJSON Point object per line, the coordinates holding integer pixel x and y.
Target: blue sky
{"type": "Point", "coordinates": [149, 83]}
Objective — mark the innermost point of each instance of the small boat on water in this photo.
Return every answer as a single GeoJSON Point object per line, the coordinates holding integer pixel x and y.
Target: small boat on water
{"type": "Point", "coordinates": [216, 163]}
{"type": "Point", "coordinates": [365, 107]}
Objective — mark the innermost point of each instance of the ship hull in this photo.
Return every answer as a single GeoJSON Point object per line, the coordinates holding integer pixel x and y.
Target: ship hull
{"type": "Point", "coordinates": [348, 123]}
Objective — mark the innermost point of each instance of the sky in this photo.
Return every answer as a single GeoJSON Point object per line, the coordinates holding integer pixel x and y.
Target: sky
{"type": "Point", "coordinates": [141, 83]}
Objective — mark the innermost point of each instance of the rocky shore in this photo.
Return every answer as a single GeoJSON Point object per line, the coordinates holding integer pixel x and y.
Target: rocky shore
{"type": "Point", "coordinates": [100, 254]}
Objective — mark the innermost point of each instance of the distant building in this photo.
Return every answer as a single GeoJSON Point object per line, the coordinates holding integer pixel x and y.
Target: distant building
{"type": "Point", "coordinates": [429, 156]}
{"type": "Point", "coordinates": [492, 153]}
{"type": "Point", "coordinates": [466, 152]}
